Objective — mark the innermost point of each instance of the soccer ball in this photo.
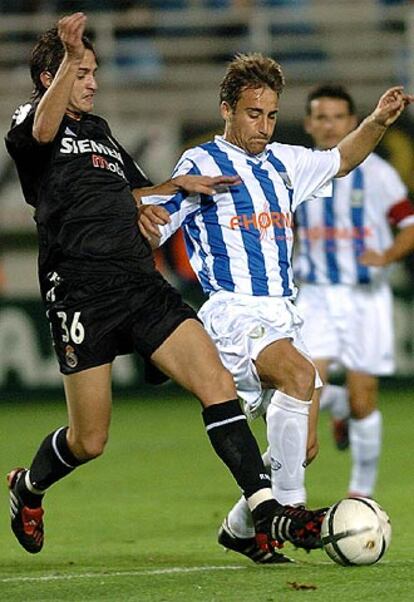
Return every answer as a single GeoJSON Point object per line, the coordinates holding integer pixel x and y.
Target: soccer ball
{"type": "Point", "coordinates": [356, 531]}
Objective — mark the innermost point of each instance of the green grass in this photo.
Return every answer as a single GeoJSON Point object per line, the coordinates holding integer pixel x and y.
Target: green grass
{"type": "Point", "coordinates": [140, 523]}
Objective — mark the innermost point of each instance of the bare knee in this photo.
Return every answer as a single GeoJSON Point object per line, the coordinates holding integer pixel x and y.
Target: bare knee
{"type": "Point", "coordinates": [87, 446]}
{"type": "Point", "coordinates": [219, 387]}
{"type": "Point", "coordinates": [363, 392]}
{"type": "Point", "coordinates": [300, 380]}
{"type": "Point", "coordinates": [361, 408]}
{"type": "Point", "coordinates": [281, 366]}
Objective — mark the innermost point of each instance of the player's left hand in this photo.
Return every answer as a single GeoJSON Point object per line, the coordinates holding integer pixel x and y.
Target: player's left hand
{"type": "Point", "coordinates": [312, 449]}
{"type": "Point", "coordinates": [373, 258]}
{"type": "Point", "coordinates": [150, 217]}
{"type": "Point", "coordinates": [390, 106]}
{"type": "Point", "coordinates": [205, 184]}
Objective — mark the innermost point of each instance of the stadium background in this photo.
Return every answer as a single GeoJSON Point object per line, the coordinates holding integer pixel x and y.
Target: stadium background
{"type": "Point", "coordinates": [160, 66]}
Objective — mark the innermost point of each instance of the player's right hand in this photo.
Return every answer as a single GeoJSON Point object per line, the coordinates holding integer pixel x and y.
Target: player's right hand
{"type": "Point", "coordinates": [390, 106]}
{"type": "Point", "coordinates": [71, 30]}
{"type": "Point", "coordinates": [150, 217]}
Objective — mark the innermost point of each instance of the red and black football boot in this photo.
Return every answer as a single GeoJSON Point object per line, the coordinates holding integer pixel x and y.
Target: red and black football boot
{"type": "Point", "coordinates": [275, 524]}
{"type": "Point", "coordinates": [248, 547]}
{"type": "Point", "coordinates": [26, 523]}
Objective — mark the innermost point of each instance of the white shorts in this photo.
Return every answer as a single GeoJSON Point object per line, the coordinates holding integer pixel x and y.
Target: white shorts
{"type": "Point", "coordinates": [350, 325]}
{"type": "Point", "coordinates": [241, 326]}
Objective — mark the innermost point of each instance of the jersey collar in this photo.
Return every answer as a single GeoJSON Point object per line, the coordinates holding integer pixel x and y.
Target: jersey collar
{"type": "Point", "coordinates": [257, 158]}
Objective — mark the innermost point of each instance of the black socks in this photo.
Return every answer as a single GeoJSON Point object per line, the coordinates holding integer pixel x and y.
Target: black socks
{"type": "Point", "coordinates": [234, 443]}
{"type": "Point", "coordinates": [52, 462]}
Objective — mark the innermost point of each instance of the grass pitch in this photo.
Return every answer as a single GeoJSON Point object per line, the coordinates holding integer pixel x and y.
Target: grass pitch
{"type": "Point", "coordinates": [140, 523]}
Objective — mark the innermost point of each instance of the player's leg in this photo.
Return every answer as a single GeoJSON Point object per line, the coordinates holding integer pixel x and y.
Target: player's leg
{"type": "Point", "coordinates": [365, 432]}
{"type": "Point", "coordinates": [334, 398]}
{"type": "Point", "coordinates": [189, 356]}
{"type": "Point", "coordinates": [370, 353]}
{"type": "Point", "coordinates": [88, 396]}
{"type": "Point", "coordinates": [312, 449]}
{"type": "Point", "coordinates": [282, 367]}
{"type": "Point", "coordinates": [237, 531]}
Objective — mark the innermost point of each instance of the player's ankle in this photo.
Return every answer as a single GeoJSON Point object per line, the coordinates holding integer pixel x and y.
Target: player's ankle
{"type": "Point", "coordinates": [30, 497]}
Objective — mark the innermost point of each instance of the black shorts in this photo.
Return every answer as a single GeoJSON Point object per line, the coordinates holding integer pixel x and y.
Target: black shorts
{"type": "Point", "coordinates": [93, 321]}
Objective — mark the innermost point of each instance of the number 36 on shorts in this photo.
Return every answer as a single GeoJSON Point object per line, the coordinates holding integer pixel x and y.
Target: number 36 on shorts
{"type": "Point", "coordinates": [72, 330]}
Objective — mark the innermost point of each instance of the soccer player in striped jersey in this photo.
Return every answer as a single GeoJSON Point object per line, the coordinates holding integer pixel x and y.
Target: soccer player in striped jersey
{"type": "Point", "coordinates": [239, 242]}
{"type": "Point", "coordinates": [346, 244]}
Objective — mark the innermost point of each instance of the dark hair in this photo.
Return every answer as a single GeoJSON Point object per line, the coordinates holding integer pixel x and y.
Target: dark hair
{"type": "Point", "coordinates": [250, 71]}
{"type": "Point", "coordinates": [330, 91]}
{"type": "Point", "coordinates": [47, 55]}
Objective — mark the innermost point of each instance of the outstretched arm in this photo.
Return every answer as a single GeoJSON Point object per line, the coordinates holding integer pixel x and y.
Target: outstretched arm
{"type": "Point", "coordinates": [52, 107]}
{"type": "Point", "coordinates": [153, 216]}
{"type": "Point", "coordinates": [189, 184]}
{"type": "Point", "coordinates": [357, 145]}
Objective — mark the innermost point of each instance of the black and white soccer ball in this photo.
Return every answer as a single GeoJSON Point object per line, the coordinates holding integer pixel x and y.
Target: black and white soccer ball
{"type": "Point", "coordinates": [356, 531]}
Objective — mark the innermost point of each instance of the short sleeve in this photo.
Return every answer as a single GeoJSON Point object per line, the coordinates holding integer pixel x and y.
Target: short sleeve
{"type": "Point", "coordinates": [392, 193]}
{"type": "Point", "coordinates": [313, 173]}
{"type": "Point", "coordinates": [19, 140]}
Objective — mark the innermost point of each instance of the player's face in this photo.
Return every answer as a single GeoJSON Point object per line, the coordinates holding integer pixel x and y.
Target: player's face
{"type": "Point", "coordinates": [250, 125]}
{"type": "Point", "coordinates": [329, 121]}
{"type": "Point", "coordinates": [83, 92]}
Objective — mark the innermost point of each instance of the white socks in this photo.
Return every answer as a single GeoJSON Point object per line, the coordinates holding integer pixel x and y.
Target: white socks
{"type": "Point", "coordinates": [287, 433]}
{"type": "Point", "coordinates": [365, 438]}
{"type": "Point", "coordinates": [240, 521]}
{"type": "Point", "coordinates": [364, 435]}
{"type": "Point", "coordinates": [335, 399]}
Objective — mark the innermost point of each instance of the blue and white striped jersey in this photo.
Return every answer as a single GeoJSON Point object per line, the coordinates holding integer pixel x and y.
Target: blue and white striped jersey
{"type": "Point", "coordinates": [240, 239]}
{"type": "Point", "coordinates": [335, 230]}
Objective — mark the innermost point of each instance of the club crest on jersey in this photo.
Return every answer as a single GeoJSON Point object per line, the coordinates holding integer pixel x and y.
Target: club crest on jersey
{"type": "Point", "coordinates": [71, 357]}
{"type": "Point", "coordinates": [357, 198]}
{"type": "Point", "coordinates": [286, 180]}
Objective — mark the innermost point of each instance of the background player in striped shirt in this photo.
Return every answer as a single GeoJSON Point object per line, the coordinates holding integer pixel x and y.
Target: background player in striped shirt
{"type": "Point", "coordinates": [346, 244]}
{"type": "Point", "coordinates": [239, 243]}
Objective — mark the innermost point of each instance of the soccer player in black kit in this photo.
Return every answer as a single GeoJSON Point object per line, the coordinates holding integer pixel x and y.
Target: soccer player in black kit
{"type": "Point", "coordinates": [103, 296]}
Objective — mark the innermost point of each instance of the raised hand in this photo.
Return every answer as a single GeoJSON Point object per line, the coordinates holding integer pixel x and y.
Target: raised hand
{"type": "Point", "coordinates": [71, 30]}
{"type": "Point", "coordinates": [390, 106]}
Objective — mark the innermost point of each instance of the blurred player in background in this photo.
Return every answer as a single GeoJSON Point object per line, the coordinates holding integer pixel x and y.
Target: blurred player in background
{"type": "Point", "coordinates": [239, 243]}
{"type": "Point", "coordinates": [103, 295]}
{"type": "Point", "coordinates": [346, 244]}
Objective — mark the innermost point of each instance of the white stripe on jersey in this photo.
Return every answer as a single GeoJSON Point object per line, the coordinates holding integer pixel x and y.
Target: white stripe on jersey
{"type": "Point", "coordinates": [361, 203]}
{"type": "Point", "coordinates": [241, 239]}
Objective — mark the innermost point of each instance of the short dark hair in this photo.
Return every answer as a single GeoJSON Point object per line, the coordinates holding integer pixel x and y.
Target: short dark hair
{"type": "Point", "coordinates": [47, 55]}
{"type": "Point", "coordinates": [250, 71]}
{"type": "Point", "coordinates": [335, 91]}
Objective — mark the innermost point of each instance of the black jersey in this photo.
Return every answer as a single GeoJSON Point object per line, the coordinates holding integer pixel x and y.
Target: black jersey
{"type": "Point", "coordinates": [80, 186]}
